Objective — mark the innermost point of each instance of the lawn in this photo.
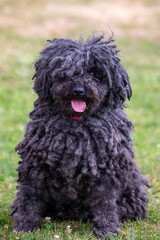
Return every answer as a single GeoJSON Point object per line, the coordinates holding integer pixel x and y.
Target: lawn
{"type": "Point", "coordinates": [24, 28]}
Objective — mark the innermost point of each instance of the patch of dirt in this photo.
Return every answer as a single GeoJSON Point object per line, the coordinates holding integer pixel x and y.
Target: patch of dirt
{"type": "Point", "coordinates": [48, 18]}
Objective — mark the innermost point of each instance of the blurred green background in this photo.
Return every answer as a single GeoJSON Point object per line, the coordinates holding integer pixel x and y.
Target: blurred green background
{"type": "Point", "coordinates": [25, 26]}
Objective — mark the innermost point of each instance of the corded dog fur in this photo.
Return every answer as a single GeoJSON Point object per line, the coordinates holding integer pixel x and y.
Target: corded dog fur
{"type": "Point", "coordinates": [77, 157]}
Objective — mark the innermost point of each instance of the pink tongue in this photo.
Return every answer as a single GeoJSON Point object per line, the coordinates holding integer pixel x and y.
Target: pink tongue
{"type": "Point", "coordinates": [78, 105]}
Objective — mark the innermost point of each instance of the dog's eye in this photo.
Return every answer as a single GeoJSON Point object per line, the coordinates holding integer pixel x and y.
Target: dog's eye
{"type": "Point", "coordinates": [92, 73]}
{"type": "Point", "coordinates": [99, 75]}
{"type": "Point", "coordinates": [96, 72]}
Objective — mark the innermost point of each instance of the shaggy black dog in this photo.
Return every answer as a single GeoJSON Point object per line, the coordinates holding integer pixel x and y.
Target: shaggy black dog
{"type": "Point", "coordinates": [77, 158]}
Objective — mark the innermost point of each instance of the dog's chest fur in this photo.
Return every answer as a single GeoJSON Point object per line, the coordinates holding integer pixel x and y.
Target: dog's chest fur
{"type": "Point", "coordinates": [74, 148]}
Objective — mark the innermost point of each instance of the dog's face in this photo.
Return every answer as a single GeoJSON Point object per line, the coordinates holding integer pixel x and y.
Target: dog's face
{"type": "Point", "coordinates": [81, 77]}
{"type": "Point", "coordinates": [79, 96]}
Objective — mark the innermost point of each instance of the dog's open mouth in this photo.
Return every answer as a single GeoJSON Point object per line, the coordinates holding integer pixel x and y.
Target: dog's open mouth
{"type": "Point", "coordinates": [78, 105]}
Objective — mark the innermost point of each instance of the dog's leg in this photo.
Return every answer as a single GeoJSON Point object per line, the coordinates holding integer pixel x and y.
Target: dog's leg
{"type": "Point", "coordinates": [104, 213]}
{"type": "Point", "coordinates": [105, 220]}
{"type": "Point", "coordinates": [28, 208]}
{"type": "Point", "coordinates": [133, 203]}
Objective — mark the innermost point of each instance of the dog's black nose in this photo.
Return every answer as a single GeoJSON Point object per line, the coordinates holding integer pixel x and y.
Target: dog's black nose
{"type": "Point", "coordinates": [78, 90]}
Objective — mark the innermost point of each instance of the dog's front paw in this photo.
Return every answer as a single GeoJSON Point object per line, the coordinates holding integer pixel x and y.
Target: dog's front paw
{"type": "Point", "coordinates": [104, 233]}
{"type": "Point", "coordinates": [26, 223]}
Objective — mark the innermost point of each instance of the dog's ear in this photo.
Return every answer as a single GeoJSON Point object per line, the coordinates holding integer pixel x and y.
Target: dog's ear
{"type": "Point", "coordinates": [42, 81]}
{"type": "Point", "coordinates": [119, 87]}
{"type": "Point", "coordinates": [50, 66]}
{"type": "Point", "coordinates": [107, 66]}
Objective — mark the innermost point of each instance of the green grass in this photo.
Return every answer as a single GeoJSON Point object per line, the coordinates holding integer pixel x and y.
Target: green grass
{"type": "Point", "coordinates": [141, 60]}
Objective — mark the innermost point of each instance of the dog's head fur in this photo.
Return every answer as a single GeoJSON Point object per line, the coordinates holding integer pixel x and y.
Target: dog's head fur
{"type": "Point", "coordinates": [81, 76]}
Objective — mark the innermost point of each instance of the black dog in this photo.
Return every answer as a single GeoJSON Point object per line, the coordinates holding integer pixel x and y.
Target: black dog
{"type": "Point", "coordinates": [77, 151]}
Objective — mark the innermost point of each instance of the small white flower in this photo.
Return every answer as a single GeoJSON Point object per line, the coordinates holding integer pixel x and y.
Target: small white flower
{"type": "Point", "coordinates": [48, 219]}
{"type": "Point", "coordinates": [56, 236]}
{"type": "Point", "coordinates": [68, 229]}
